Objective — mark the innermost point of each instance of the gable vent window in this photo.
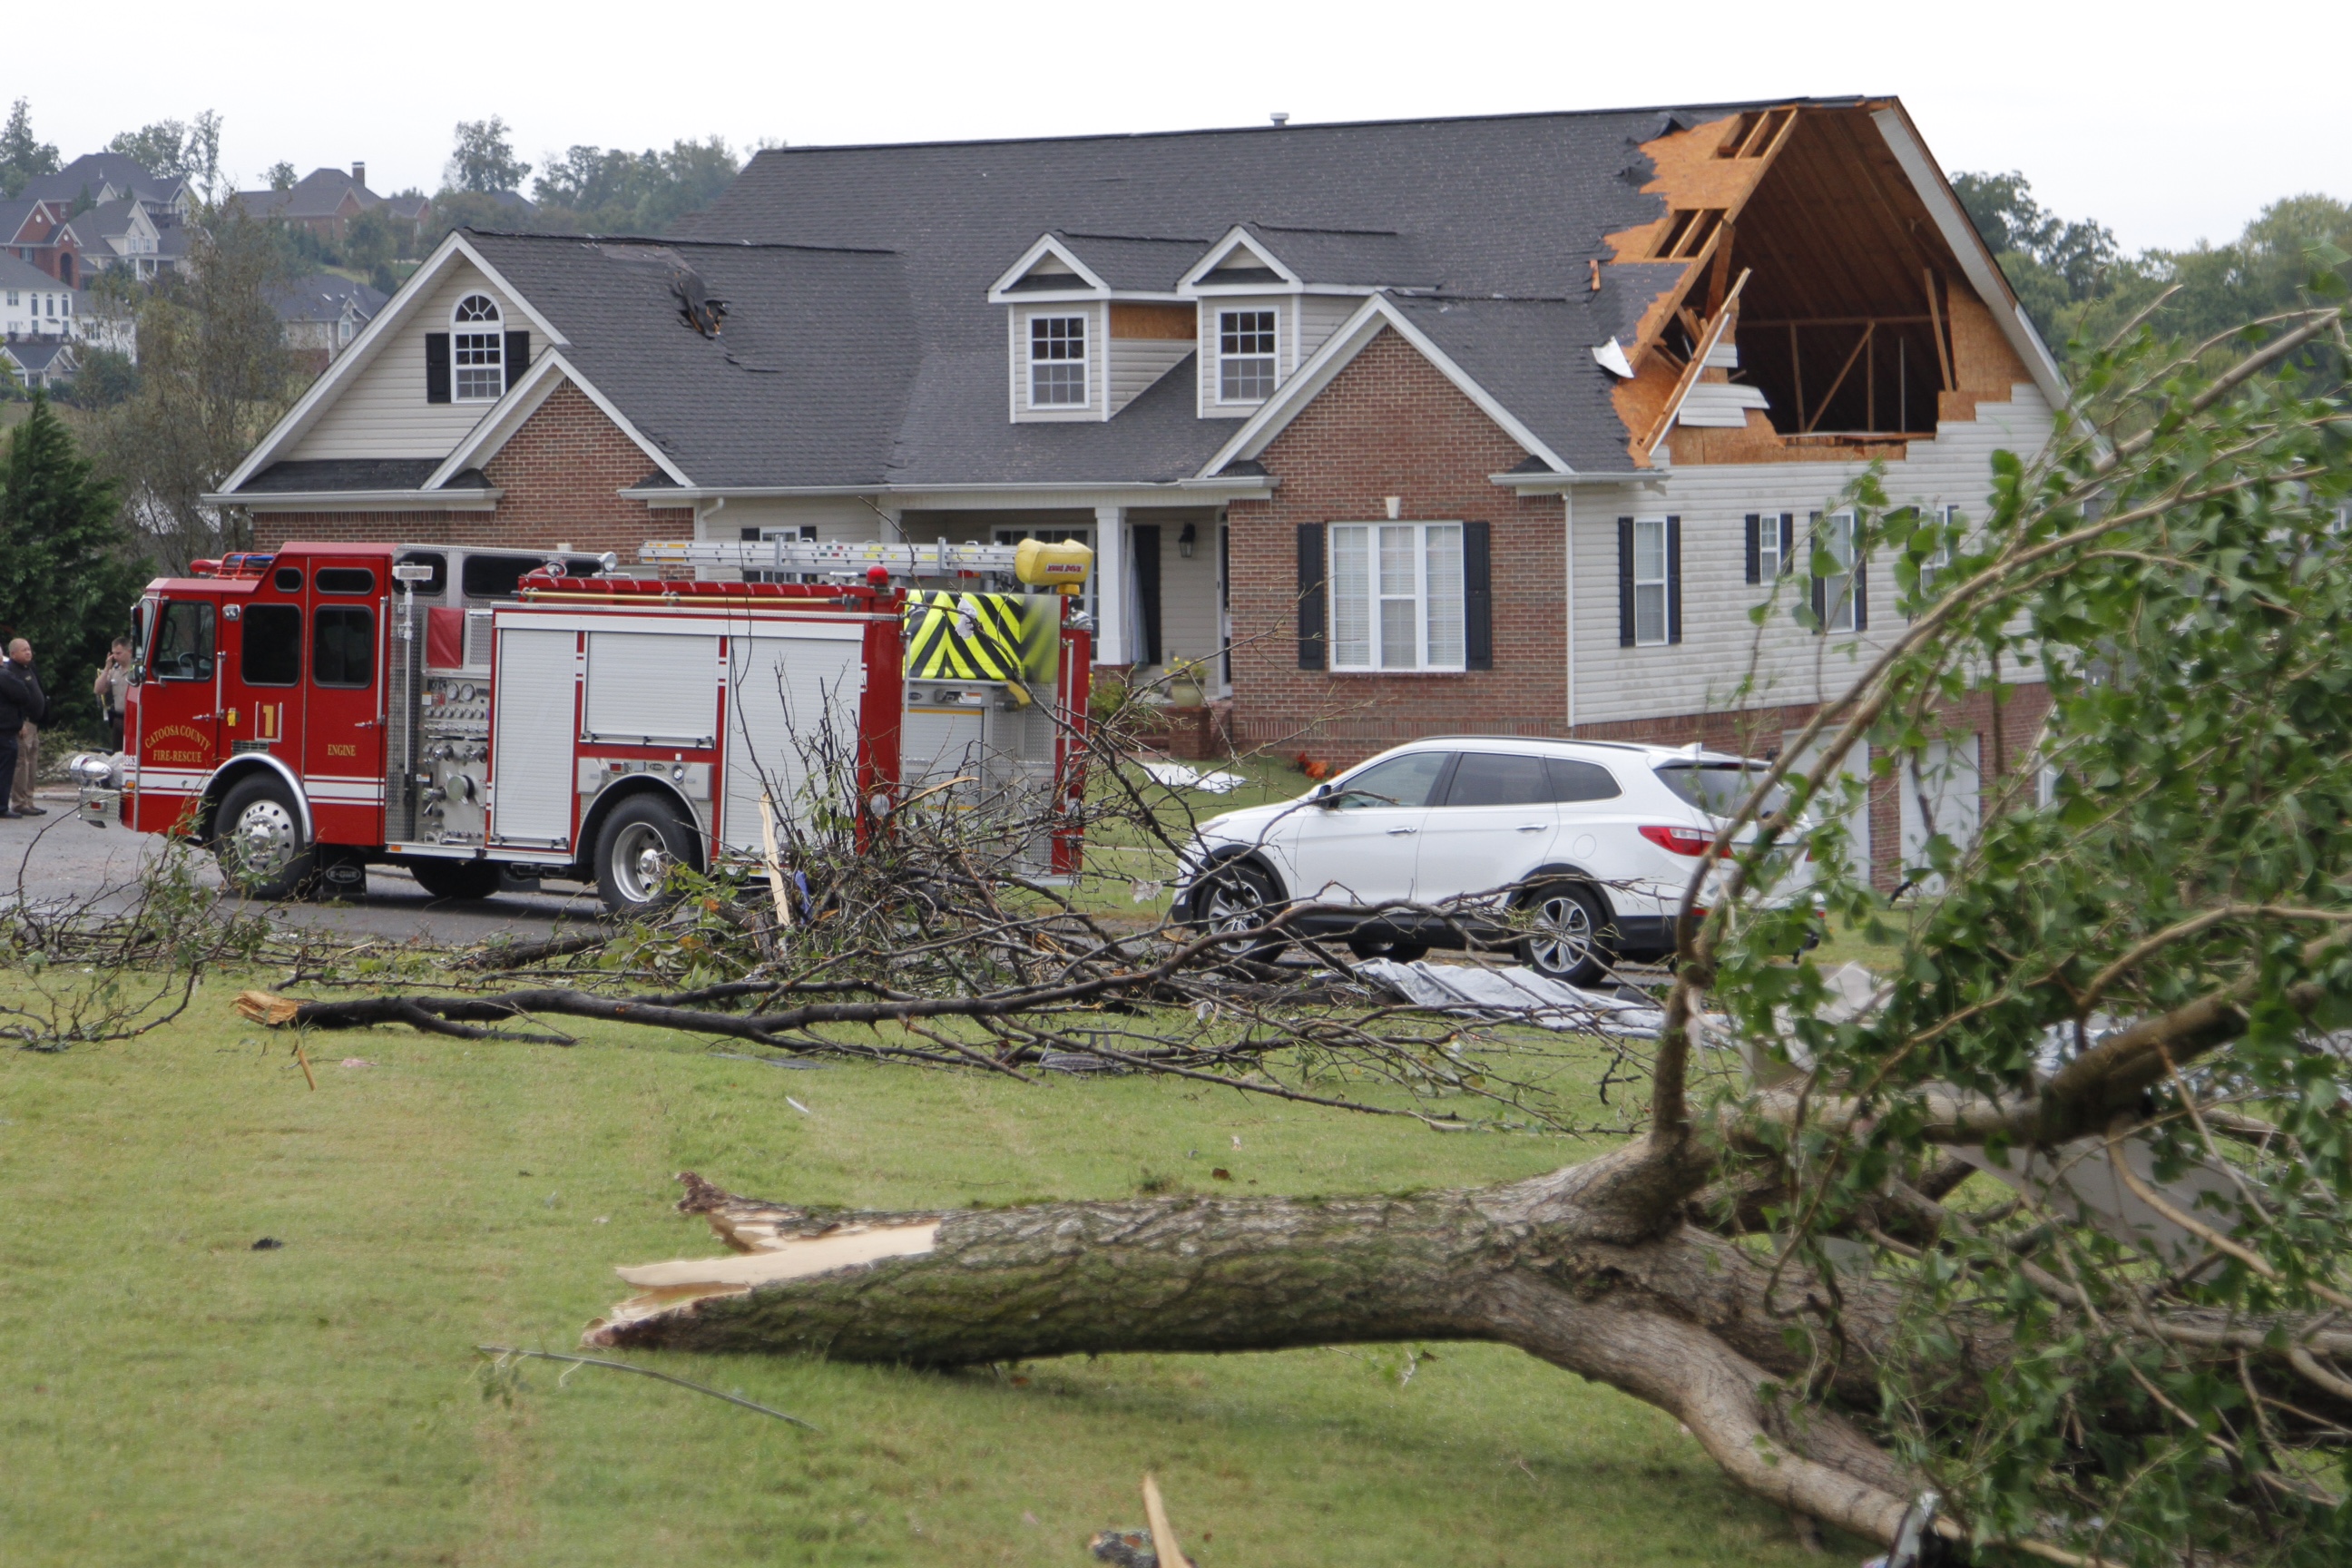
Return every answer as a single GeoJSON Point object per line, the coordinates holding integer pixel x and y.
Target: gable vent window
{"type": "Point", "coordinates": [1245, 356]}
{"type": "Point", "coordinates": [477, 350]}
{"type": "Point", "coordinates": [1058, 362]}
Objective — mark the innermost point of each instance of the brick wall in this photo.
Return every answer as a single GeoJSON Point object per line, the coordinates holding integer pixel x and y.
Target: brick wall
{"type": "Point", "coordinates": [1391, 424]}
{"type": "Point", "coordinates": [558, 472]}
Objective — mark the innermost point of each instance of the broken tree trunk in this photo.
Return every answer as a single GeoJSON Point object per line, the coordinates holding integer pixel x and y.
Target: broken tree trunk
{"type": "Point", "coordinates": [1567, 1266]}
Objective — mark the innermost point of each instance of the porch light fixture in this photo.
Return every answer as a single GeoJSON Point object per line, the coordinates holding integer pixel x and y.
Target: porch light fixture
{"type": "Point", "coordinates": [1186, 539]}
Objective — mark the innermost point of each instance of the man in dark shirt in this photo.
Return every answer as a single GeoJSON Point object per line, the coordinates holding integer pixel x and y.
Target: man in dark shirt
{"type": "Point", "coordinates": [23, 709]}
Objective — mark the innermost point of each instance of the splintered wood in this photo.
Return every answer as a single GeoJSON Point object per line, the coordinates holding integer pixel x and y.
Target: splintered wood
{"type": "Point", "coordinates": [772, 1243]}
{"type": "Point", "coordinates": [262, 1007]}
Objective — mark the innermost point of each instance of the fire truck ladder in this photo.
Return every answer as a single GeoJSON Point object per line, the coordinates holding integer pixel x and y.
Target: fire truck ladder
{"type": "Point", "coordinates": [834, 560]}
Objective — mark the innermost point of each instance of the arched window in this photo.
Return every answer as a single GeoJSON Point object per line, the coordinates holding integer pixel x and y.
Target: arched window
{"type": "Point", "coordinates": [477, 350]}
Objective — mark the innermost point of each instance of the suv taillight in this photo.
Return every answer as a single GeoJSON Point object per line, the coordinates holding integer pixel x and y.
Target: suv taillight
{"type": "Point", "coordinates": [1689, 841]}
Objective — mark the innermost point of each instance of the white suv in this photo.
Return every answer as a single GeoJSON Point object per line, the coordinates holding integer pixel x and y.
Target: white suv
{"type": "Point", "coordinates": [1573, 851]}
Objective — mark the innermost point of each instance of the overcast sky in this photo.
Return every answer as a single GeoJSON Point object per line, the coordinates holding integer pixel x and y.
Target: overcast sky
{"type": "Point", "coordinates": [2176, 124]}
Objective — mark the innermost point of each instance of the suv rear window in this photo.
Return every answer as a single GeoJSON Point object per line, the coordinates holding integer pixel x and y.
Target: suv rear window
{"type": "Point", "coordinates": [1717, 788]}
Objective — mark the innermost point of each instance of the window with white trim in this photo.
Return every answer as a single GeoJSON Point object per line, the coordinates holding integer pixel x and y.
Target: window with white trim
{"type": "Point", "coordinates": [1776, 541]}
{"type": "Point", "coordinates": [1396, 598]}
{"type": "Point", "coordinates": [477, 350]}
{"type": "Point", "coordinates": [1245, 363]}
{"type": "Point", "coordinates": [1836, 590]}
{"type": "Point", "coordinates": [1650, 586]}
{"type": "Point", "coordinates": [1938, 561]}
{"type": "Point", "coordinates": [1058, 362]}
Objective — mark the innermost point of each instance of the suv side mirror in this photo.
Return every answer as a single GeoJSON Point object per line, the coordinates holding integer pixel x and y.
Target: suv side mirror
{"type": "Point", "coordinates": [1323, 796]}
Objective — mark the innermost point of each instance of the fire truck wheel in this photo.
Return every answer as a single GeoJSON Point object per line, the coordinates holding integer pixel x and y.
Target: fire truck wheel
{"type": "Point", "coordinates": [456, 879]}
{"type": "Point", "coordinates": [258, 838]}
{"type": "Point", "coordinates": [640, 842]}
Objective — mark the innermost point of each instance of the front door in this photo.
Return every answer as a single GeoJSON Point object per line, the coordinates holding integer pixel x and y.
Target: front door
{"type": "Point", "coordinates": [261, 670]}
{"type": "Point", "coordinates": [1359, 846]}
{"type": "Point", "coordinates": [178, 711]}
{"type": "Point", "coordinates": [342, 729]}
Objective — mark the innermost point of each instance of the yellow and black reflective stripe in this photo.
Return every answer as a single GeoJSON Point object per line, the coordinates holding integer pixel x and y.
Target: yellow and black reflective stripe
{"type": "Point", "coordinates": [963, 636]}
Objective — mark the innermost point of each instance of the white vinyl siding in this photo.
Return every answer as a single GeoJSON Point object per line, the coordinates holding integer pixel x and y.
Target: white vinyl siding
{"type": "Point", "coordinates": [1319, 315]}
{"type": "Point", "coordinates": [380, 411]}
{"type": "Point", "coordinates": [1137, 363]}
{"type": "Point", "coordinates": [1396, 596]}
{"type": "Point", "coordinates": [1616, 684]}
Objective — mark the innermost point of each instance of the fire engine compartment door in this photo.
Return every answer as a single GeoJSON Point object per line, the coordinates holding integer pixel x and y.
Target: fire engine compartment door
{"type": "Point", "coordinates": [791, 700]}
{"type": "Point", "coordinates": [653, 688]}
{"type": "Point", "coordinates": [530, 762]}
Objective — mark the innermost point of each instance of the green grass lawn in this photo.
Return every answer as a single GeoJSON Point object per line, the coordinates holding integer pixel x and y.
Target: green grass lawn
{"type": "Point", "coordinates": [168, 1395]}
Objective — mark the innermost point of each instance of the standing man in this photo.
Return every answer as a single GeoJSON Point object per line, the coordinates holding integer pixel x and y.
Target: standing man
{"type": "Point", "coordinates": [112, 689]}
{"type": "Point", "coordinates": [26, 736]}
{"type": "Point", "coordinates": [19, 703]}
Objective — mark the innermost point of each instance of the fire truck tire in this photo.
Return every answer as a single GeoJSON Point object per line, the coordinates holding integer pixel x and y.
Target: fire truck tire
{"type": "Point", "coordinates": [259, 841]}
{"type": "Point", "coordinates": [456, 879]}
{"type": "Point", "coordinates": [638, 844]}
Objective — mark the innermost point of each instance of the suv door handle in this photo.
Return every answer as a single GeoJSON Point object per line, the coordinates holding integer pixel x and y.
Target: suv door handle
{"type": "Point", "coordinates": [1399, 832]}
{"type": "Point", "coordinates": [1531, 827]}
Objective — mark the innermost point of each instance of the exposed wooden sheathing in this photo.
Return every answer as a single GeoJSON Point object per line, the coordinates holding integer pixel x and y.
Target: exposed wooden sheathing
{"type": "Point", "coordinates": [1858, 322]}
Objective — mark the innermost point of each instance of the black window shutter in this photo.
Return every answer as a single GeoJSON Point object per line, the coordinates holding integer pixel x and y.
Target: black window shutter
{"type": "Point", "coordinates": [1787, 524]}
{"type": "Point", "coordinates": [1143, 538]}
{"type": "Point", "coordinates": [1756, 546]}
{"type": "Point", "coordinates": [1820, 584]}
{"type": "Point", "coordinates": [1624, 582]}
{"type": "Point", "coordinates": [518, 356]}
{"type": "Point", "coordinates": [1673, 579]}
{"type": "Point", "coordinates": [1861, 587]}
{"type": "Point", "coordinates": [436, 367]}
{"type": "Point", "coordinates": [1478, 595]}
{"type": "Point", "coordinates": [1311, 655]}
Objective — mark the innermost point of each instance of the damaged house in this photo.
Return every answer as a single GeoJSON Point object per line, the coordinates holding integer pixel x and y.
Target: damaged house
{"type": "Point", "coordinates": [1499, 425]}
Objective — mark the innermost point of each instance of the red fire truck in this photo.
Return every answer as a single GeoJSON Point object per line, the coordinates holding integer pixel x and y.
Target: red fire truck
{"type": "Point", "coordinates": [458, 712]}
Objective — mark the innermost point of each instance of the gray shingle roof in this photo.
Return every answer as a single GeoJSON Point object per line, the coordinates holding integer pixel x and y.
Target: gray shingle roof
{"type": "Point", "coordinates": [16, 274]}
{"type": "Point", "coordinates": [92, 170]}
{"type": "Point", "coordinates": [311, 474]}
{"type": "Point", "coordinates": [1511, 206]}
{"type": "Point", "coordinates": [321, 296]}
{"type": "Point", "coordinates": [806, 384]}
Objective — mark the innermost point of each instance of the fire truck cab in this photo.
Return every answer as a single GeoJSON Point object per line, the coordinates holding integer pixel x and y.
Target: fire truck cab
{"type": "Point", "coordinates": [458, 712]}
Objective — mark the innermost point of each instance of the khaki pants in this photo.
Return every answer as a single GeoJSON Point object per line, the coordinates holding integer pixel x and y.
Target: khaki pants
{"type": "Point", "coordinates": [28, 764]}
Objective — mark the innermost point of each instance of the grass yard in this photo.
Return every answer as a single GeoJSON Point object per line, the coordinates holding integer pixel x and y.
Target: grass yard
{"type": "Point", "coordinates": [169, 1395]}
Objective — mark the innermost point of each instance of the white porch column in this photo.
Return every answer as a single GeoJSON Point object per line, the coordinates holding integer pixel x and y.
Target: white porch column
{"type": "Point", "coordinates": [1110, 585]}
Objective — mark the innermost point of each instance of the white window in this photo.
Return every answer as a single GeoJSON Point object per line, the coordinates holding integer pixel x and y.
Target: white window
{"type": "Point", "coordinates": [477, 350]}
{"type": "Point", "coordinates": [1650, 586]}
{"type": "Point", "coordinates": [1396, 596]}
{"type": "Point", "coordinates": [1938, 560]}
{"type": "Point", "coordinates": [1058, 362]}
{"type": "Point", "coordinates": [1245, 356]}
{"type": "Point", "coordinates": [1776, 543]}
{"type": "Point", "coordinates": [1836, 590]}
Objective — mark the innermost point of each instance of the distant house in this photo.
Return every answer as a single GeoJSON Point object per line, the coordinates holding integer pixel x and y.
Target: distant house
{"type": "Point", "coordinates": [325, 201]}
{"type": "Point", "coordinates": [122, 233]}
{"type": "Point", "coordinates": [34, 305]}
{"type": "Point", "coordinates": [40, 363]}
{"type": "Point", "coordinates": [103, 177]}
{"type": "Point", "coordinates": [323, 313]}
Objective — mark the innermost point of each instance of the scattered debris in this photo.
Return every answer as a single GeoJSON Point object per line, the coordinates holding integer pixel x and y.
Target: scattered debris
{"type": "Point", "coordinates": [796, 1105]}
{"type": "Point", "coordinates": [267, 1244]}
{"type": "Point", "coordinates": [1176, 776]}
{"type": "Point", "coordinates": [1518, 991]}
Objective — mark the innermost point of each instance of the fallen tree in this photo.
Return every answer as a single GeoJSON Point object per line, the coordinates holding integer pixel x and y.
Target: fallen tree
{"type": "Point", "coordinates": [2133, 968]}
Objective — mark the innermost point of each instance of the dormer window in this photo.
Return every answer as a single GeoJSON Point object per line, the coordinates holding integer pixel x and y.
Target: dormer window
{"type": "Point", "coordinates": [477, 350]}
{"type": "Point", "coordinates": [1246, 371]}
{"type": "Point", "coordinates": [1058, 362]}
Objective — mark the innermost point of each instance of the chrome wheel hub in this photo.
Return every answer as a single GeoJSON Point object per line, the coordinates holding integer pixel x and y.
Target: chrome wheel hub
{"type": "Point", "coordinates": [263, 841]}
{"type": "Point", "coordinates": [640, 861]}
{"type": "Point", "coordinates": [1562, 937]}
{"type": "Point", "coordinates": [1233, 905]}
